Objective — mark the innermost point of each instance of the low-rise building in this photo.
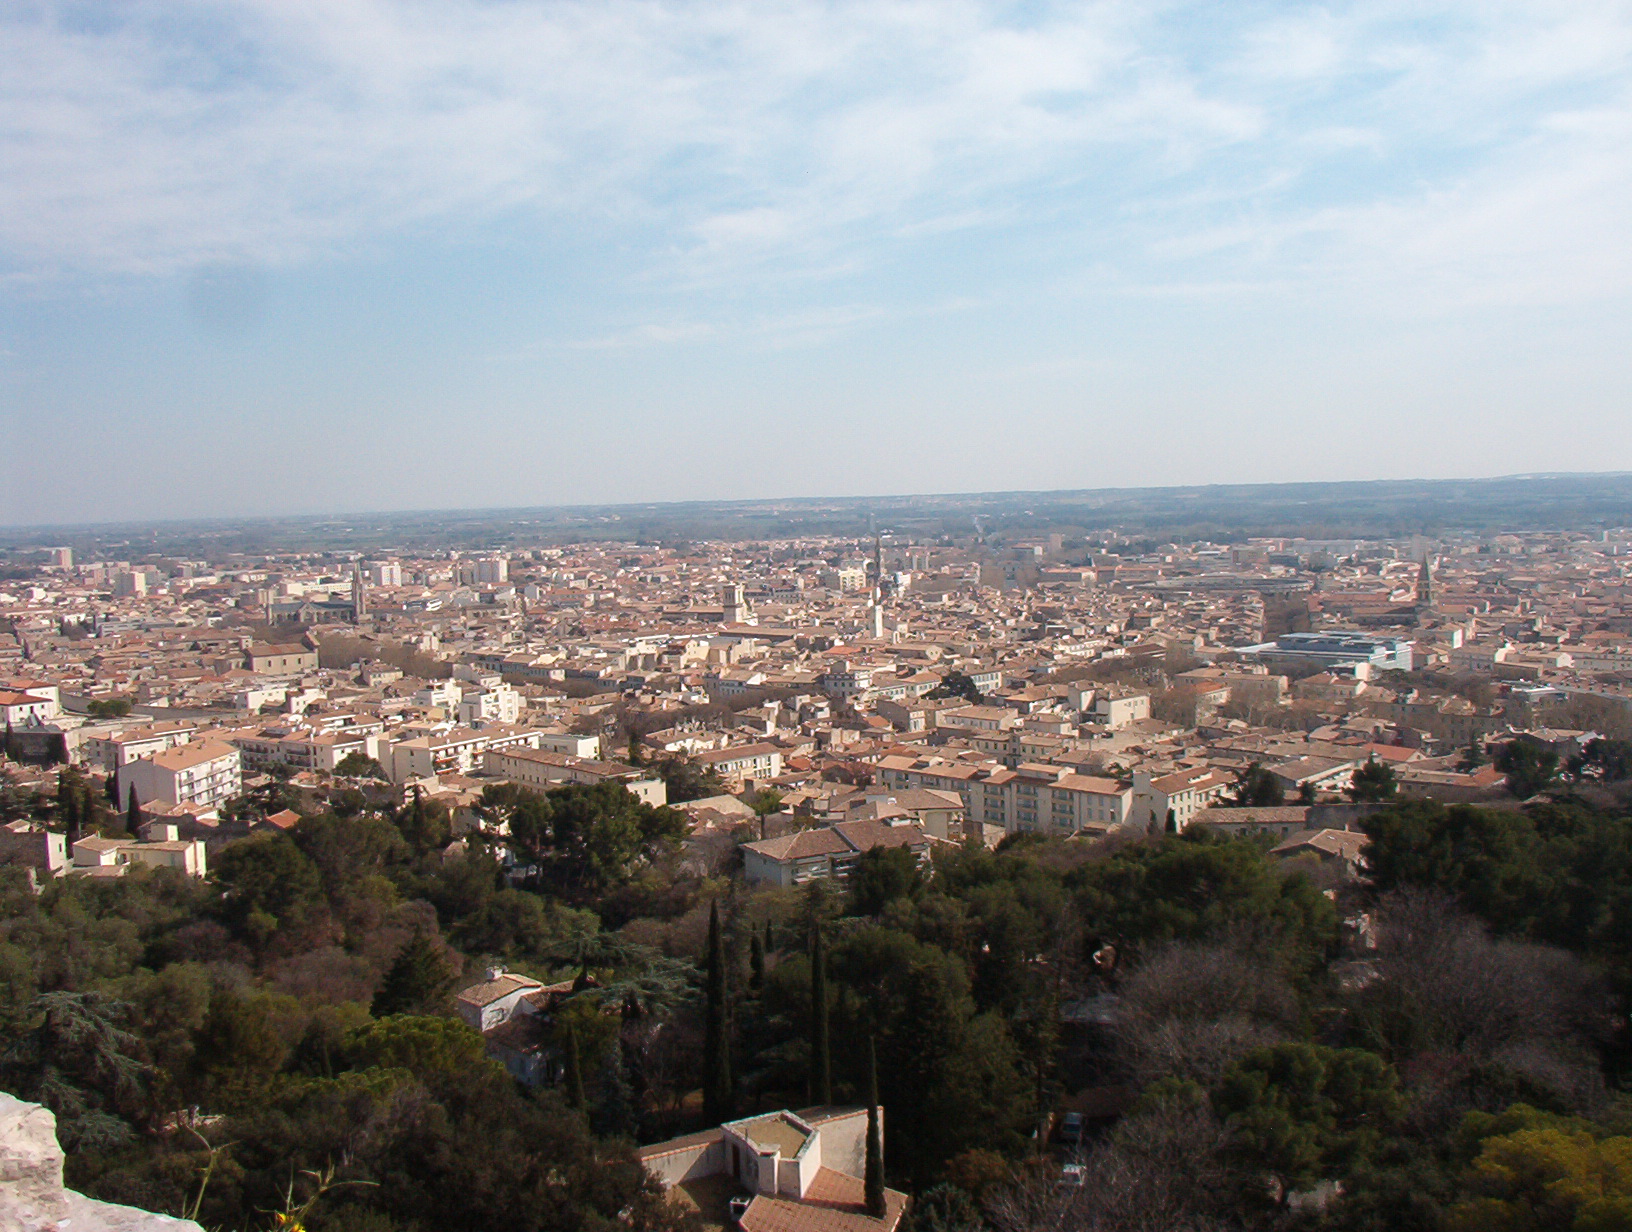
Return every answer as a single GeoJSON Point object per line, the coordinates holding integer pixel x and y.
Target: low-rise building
{"type": "Point", "coordinates": [542, 770]}
{"type": "Point", "coordinates": [795, 1171]}
{"type": "Point", "coordinates": [828, 852]}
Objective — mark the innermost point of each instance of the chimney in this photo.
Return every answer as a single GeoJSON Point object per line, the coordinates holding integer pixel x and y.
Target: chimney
{"type": "Point", "coordinates": [494, 973]}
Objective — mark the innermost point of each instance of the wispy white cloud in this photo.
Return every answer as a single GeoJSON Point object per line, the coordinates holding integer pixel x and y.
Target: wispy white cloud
{"type": "Point", "coordinates": [1486, 148]}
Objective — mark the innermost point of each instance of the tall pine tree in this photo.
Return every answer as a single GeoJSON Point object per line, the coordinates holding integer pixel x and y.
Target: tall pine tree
{"type": "Point", "coordinates": [415, 980]}
{"type": "Point", "coordinates": [575, 1070]}
{"type": "Point", "coordinates": [133, 813]}
{"type": "Point", "coordinates": [873, 1177]}
{"type": "Point", "coordinates": [821, 1056]}
{"type": "Point", "coordinates": [717, 1085]}
{"type": "Point", "coordinates": [68, 805]}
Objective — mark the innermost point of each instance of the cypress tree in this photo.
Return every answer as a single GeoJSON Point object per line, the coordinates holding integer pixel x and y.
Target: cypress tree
{"type": "Point", "coordinates": [575, 1070]}
{"type": "Point", "coordinates": [68, 805]}
{"type": "Point", "coordinates": [11, 742]}
{"type": "Point", "coordinates": [133, 812]}
{"type": "Point", "coordinates": [110, 785]}
{"type": "Point", "coordinates": [716, 1041]}
{"type": "Point", "coordinates": [756, 962]}
{"type": "Point", "coordinates": [614, 1115]}
{"type": "Point", "coordinates": [90, 808]}
{"type": "Point", "coordinates": [873, 1178]}
{"type": "Point", "coordinates": [821, 1061]}
{"type": "Point", "coordinates": [770, 938]}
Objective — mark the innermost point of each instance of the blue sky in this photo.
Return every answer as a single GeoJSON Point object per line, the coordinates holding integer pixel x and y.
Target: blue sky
{"type": "Point", "coordinates": [330, 255]}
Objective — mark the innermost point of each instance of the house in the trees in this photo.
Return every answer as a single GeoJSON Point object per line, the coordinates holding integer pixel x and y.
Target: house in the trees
{"type": "Point", "coordinates": [513, 1013]}
{"type": "Point", "coordinates": [779, 1171]}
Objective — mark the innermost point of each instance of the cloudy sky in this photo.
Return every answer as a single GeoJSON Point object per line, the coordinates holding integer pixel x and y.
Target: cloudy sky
{"type": "Point", "coordinates": [340, 255]}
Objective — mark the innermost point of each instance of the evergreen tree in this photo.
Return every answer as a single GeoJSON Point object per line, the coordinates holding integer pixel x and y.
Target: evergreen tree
{"type": "Point", "coordinates": [12, 748]}
{"type": "Point", "coordinates": [873, 1178]}
{"type": "Point", "coordinates": [133, 812]}
{"type": "Point", "coordinates": [416, 979]}
{"type": "Point", "coordinates": [110, 786]}
{"type": "Point", "coordinates": [821, 1061]}
{"type": "Point", "coordinates": [575, 1070]}
{"type": "Point", "coordinates": [615, 1111]}
{"type": "Point", "coordinates": [756, 962]}
{"type": "Point", "coordinates": [770, 938]}
{"type": "Point", "coordinates": [716, 1041]}
{"type": "Point", "coordinates": [1372, 782]}
{"type": "Point", "coordinates": [68, 805]}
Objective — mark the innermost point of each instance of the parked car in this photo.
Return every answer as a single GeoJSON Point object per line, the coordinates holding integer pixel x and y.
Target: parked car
{"type": "Point", "coordinates": [1071, 1126]}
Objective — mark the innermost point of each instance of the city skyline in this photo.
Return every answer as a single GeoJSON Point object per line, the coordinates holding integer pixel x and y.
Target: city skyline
{"type": "Point", "coordinates": [264, 260]}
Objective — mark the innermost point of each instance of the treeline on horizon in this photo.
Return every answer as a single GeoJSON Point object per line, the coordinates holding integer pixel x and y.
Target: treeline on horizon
{"type": "Point", "coordinates": [1225, 513]}
{"type": "Point", "coordinates": [1445, 1048]}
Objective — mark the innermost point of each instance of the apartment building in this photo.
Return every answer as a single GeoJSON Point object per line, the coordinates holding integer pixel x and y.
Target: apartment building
{"type": "Point", "coordinates": [118, 748]}
{"type": "Point", "coordinates": [1048, 799]}
{"type": "Point", "coordinates": [206, 773]}
{"type": "Point", "coordinates": [746, 761]}
{"type": "Point", "coordinates": [977, 718]}
{"type": "Point", "coordinates": [1031, 797]}
{"type": "Point", "coordinates": [454, 752]}
{"type": "Point", "coordinates": [1172, 801]}
{"type": "Point", "coordinates": [542, 770]}
{"type": "Point", "coordinates": [300, 749]}
{"type": "Point", "coordinates": [1116, 710]}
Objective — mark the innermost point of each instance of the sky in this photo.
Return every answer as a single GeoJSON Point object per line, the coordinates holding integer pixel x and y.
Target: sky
{"type": "Point", "coordinates": [288, 256]}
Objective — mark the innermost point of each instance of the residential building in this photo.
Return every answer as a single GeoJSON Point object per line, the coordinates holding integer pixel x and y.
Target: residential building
{"type": "Point", "coordinates": [543, 770]}
{"type": "Point", "coordinates": [285, 659]}
{"type": "Point", "coordinates": [113, 857]}
{"type": "Point", "coordinates": [746, 761]}
{"type": "Point", "coordinates": [202, 772]}
{"type": "Point", "coordinates": [1171, 802]}
{"type": "Point", "coordinates": [798, 1171]}
{"type": "Point", "coordinates": [111, 751]}
{"type": "Point", "coordinates": [826, 853]}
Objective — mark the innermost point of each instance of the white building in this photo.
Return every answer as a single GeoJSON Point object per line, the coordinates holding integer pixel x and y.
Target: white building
{"type": "Point", "coordinates": [201, 772]}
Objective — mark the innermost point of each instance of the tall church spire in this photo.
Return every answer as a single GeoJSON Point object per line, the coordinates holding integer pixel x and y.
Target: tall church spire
{"type": "Point", "coordinates": [1425, 582]}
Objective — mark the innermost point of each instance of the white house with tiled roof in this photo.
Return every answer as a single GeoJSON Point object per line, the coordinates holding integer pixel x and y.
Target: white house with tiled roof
{"type": "Point", "coordinates": [795, 1171]}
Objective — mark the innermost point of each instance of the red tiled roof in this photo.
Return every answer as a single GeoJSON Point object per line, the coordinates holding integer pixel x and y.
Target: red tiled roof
{"type": "Point", "coordinates": [833, 1203]}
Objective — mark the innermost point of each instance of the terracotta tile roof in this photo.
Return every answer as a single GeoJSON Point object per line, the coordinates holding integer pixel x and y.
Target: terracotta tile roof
{"type": "Point", "coordinates": [489, 991]}
{"type": "Point", "coordinates": [833, 1203]}
{"type": "Point", "coordinates": [673, 1146]}
{"type": "Point", "coordinates": [800, 845]}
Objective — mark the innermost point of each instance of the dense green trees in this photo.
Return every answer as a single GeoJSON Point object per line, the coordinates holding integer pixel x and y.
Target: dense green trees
{"type": "Point", "coordinates": [1529, 767]}
{"type": "Point", "coordinates": [1258, 787]}
{"type": "Point", "coordinates": [1372, 782]}
{"type": "Point", "coordinates": [303, 994]}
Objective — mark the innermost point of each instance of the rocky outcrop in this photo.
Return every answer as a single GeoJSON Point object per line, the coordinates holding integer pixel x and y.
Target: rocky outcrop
{"type": "Point", "coordinates": [32, 1198]}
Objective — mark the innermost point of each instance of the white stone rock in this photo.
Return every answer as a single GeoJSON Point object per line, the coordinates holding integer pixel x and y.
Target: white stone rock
{"type": "Point", "coordinates": [32, 1198]}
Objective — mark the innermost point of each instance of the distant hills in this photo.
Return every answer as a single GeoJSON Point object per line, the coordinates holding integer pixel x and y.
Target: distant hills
{"type": "Point", "coordinates": [1222, 512]}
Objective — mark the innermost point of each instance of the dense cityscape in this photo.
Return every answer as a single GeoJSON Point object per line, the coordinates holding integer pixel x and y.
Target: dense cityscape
{"type": "Point", "coordinates": [1083, 849]}
{"type": "Point", "coordinates": [825, 616]}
